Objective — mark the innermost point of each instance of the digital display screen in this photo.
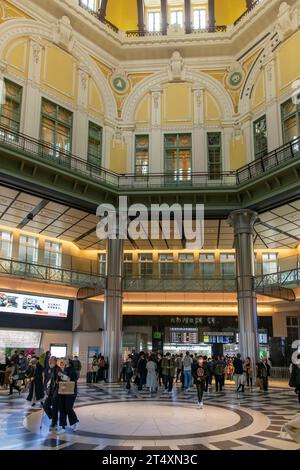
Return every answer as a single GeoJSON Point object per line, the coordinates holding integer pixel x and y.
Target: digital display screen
{"type": "Point", "coordinates": [184, 335]}
{"type": "Point", "coordinates": [58, 350]}
{"type": "Point", "coordinates": [33, 305]}
{"type": "Point", "coordinates": [216, 339]}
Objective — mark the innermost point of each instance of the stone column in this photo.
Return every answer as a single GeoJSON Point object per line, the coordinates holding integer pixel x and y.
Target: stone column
{"type": "Point", "coordinates": [113, 308]}
{"type": "Point", "coordinates": [164, 21]}
{"type": "Point", "coordinates": [188, 19]}
{"type": "Point", "coordinates": [242, 222]}
{"type": "Point", "coordinates": [211, 15]}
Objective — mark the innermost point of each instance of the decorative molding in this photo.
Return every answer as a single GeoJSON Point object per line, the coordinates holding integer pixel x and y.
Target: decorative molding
{"type": "Point", "coordinates": [197, 79]}
{"type": "Point", "coordinates": [288, 20]}
{"type": "Point", "coordinates": [17, 28]}
{"type": "Point", "coordinates": [176, 68]}
{"type": "Point", "coordinates": [63, 34]}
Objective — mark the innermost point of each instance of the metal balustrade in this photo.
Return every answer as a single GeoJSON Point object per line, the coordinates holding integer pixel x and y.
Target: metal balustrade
{"type": "Point", "coordinates": [289, 278]}
{"type": "Point", "coordinates": [49, 153]}
{"type": "Point", "coordinates": [179, 284]}
{"type": "Point", "coordinates": [55, 274]}
{"type": "Point", "coordinates": [246, 13]}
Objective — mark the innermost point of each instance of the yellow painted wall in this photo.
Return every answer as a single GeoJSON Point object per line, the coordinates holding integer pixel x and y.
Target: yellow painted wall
{"type": "Point", "coordinates": [64, 83]}
{"type": "Point", "coordinates": [227, 11]}
{"type": "Point", "coordinates": [16, 55]}
{"type": "Point", "coordinates": [177, 104]}
{"type": "Point", "coordinates": [258, 97]}
{"type": "Point", "coordinates": [212, 111]}
{"type": "Point", "coordinates": [288, 63]}
{"type": "Point", "coordinates": [123, 14]}
{"type": "Point", "coordinates": [95, 99]}
{"type": "Point", "coordinates": [237, 153]}
{"type": "Point", "coordinates": [118, 152]}
{"type": "Point", "coordinates": [143, 111]}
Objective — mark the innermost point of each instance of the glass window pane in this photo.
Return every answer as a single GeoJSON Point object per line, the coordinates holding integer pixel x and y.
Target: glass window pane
{"type": "Point", "coordinates": [260, 137]}
{"type": "Point", "coordinates": [10, 109]}
{"type": "Point", "coordinates": [5, 245]}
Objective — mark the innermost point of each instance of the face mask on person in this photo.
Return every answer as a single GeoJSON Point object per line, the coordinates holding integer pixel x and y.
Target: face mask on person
{"type": "Point", "coordinates": [51, 366]}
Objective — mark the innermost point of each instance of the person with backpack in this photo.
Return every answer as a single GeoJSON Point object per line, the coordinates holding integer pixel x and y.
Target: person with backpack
{"type": "Point", "coordinates": [219, 371]}
{"type": "Point", "coordinates": [187, 371]}
{"type": "Point", "coordinates": [239, 373]}
{"type": "Point", "coordinates": [199, 374]}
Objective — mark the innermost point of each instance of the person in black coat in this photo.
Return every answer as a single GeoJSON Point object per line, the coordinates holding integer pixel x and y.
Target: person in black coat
{"type": "Point", "coordinates": [295, 378]}
{"type": "Point", "coordinates": [36, 386]}
{"type": "Point", "coordinates": [51, 402]}
{"type": "Point", "coordinates": [66, 402]}
{"type": "Point", "coordinates": [141, 371]}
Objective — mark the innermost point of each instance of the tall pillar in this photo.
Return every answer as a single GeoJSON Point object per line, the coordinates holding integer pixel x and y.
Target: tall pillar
{"type": "Point", "coordinates": [211, 15]}
{"type": "Point", "coordinates": [187, 10]}
{"type": "Point", "coordinates": [242, 222]}
{"type": "Point", "coordinates": [140, 9]}
{"type": "Point", "coordinates": [163, 9]}
{"type": "Point", "coordinates": [113, 308]}
{"type": "Point", "coordinates": [102, 10]}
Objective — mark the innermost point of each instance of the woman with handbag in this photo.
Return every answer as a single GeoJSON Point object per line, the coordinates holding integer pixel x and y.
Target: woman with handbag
{"type": "Point", "coordinates": [67, 396]}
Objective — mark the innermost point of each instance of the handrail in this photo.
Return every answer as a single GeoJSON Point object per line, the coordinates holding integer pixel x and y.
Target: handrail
{"type": "Point", "coordinates": [246, 12]}
{"type": "Point", "coordinates": [282, 278]}
{"type": "Point", "coordinates": [13, 267]}
{"type": "Point", "coordinates": [185, 180]}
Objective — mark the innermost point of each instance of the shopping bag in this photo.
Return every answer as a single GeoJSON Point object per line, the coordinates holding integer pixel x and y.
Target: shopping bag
{"type": "Point", "coordinates": [66, 388]}
{"type": "Point", "coordinates": [292, 429]}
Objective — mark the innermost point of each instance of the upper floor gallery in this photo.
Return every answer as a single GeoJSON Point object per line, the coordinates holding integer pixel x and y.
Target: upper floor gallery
{"type": "Point", "coordinates": [208, 102]}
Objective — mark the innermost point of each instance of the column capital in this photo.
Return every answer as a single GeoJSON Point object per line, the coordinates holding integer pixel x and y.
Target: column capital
{"type": "Point", "coordinates": [242, 221]}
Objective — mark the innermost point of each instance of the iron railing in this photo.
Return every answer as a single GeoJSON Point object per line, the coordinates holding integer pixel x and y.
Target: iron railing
{"type": "Point", "coordinates": [290, 278]}
{"type": "Point", "coordinates": [58, 157]}
{"type": "Point", "coordinates": [55, 274]}
{"type": "Point", "coordinates": [251, 7]}
{"type": "Point", "coordinates": [179, 284]}
{"type": "Point", "coordinates": [97, 14]}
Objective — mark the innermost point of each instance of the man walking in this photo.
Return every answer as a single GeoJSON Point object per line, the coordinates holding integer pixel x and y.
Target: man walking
{"type": "Point", "coordinates": [187, 371]}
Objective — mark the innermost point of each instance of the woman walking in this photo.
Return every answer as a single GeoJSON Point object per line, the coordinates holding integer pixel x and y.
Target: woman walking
{"type": "Point", "coordinates": [151, 381]}
{"type": "Point", "coordinates": [36, 386]}
{"type": "Point", "coordinates": [66, 402]}
{"type": "Point", "coordinates": [248, 371]}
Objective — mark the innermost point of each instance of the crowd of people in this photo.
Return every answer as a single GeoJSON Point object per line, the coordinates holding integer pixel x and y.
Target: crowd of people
{"type": "Point", "coordinates": [155, 370]}
{"type": "Point", "coordinates": [41, 377]}
{"type": "Point", "coordinates": [98, 369]}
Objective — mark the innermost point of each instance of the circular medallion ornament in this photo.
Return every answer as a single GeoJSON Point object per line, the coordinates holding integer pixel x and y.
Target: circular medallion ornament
{"type": "Point", "coordinates": [119, 83]}
{"type": "Point", "coordinates": [235, 78]}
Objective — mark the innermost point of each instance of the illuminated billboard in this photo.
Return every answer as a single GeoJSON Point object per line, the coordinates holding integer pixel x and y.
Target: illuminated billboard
{"type": "Point", "coordinates": [12, 302]}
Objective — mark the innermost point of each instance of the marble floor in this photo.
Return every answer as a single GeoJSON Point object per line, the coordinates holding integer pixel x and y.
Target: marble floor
{"type": "Point", "coordinates": [112, 419]}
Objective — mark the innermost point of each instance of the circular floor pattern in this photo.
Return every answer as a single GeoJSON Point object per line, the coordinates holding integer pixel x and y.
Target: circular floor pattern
{"type": "Point", "coordinates": [159, 420]}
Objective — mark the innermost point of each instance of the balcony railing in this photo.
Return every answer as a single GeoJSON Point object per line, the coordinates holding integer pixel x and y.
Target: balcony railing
{"type": "Point", "coordinates": [147, 33]}
{"type": "Point", "coordinates": [49, 153]}
{"type": "Point", "coordinates": [254, 4]}
{"type": "Point", "coordinates": [179, 284]}
{"type": "Point", "coordinates": [38, 272]}
{"type": "Point", "coordinates": [289, 278]}
{"type": "Point", "coordinates": [97, 14]}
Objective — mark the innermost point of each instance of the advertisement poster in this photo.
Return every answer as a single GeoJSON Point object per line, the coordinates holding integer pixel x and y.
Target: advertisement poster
{"type": "Point", "coordinates": [32, 304]}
